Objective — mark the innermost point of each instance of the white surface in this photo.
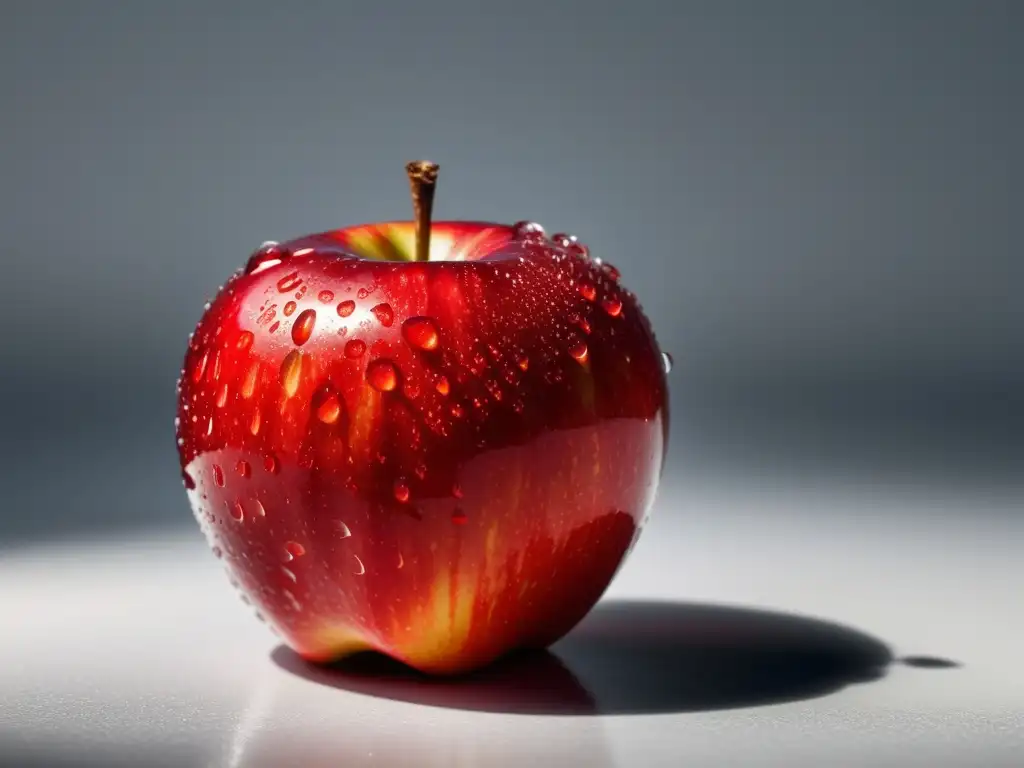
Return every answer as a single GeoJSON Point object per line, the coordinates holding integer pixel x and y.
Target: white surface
{"type": "Point", "coordinates": [136, 652]}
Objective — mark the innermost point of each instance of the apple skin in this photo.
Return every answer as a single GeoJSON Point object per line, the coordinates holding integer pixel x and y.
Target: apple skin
{"type": "Point", "coordinates": [442, 461]}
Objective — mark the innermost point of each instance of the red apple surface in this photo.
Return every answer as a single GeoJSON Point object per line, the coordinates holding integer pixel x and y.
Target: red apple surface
{"type": "Point", "coordinates": [441, 460]}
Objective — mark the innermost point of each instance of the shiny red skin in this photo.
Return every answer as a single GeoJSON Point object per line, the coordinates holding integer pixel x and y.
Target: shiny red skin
{"type": "Point", "coordinates": [442, 525]}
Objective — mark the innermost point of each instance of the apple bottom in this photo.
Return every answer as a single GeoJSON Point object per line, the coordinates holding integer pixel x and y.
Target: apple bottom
{"type": "Point", "coordinates": [466, 625]}
{"type": "Point", "coordinates": [512, 558]}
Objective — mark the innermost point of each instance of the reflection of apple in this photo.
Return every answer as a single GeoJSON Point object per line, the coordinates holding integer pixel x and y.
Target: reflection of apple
{"type": "Point", "coordinates": [435, 441]}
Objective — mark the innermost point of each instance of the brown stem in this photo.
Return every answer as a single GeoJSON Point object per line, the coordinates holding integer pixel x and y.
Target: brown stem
{"type": "Point", "coordinates": [422, 180]}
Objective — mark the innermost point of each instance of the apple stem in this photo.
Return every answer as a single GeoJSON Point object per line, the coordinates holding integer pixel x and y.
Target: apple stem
{"type": "Point", "coordinates": [422, 180]}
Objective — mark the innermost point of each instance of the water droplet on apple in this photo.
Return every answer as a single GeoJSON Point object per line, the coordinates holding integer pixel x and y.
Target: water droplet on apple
{"type": "Point", "coordinates": [327, 406]}
{"type": "Point", "coordinates": [252, 376]}
{"type": "Point", "coordinates": [245, 340]}
{"type": "Point", "coordinates": [186, 478]}
{"type": "Point", "coordinates": [243, 468]}
{"type": "Point", "coordinates": [522, 361]}
{"type": "Point", "coordinates": [384, 314]}
{"type": "Point", "coordinates": [289, 308]}
{"type": "Point", "coordinates": [382, 375]}
{"type": "Point", "coordinates": [587, 290]}
{"type": "Point", "coordinates": [610, 270]}
{"type": "Point", "coordinates": [291, 370]}
{"type": "Point", "coordinates": [420, 332]}
{"type": "Point", "coordinates": [401, 489]}
{"type": "Point", "coordinates": [290, 574]}
{"type": "Point", "coordinates": [346, 308]}
{"type": "Point", "coordinates": [200, 367]}
{"type": "Point", "coordinates": [459, 517]}
{"type": "Point", "coordinates": [268, 255]}
{"type": "Point", "coordinates": [578, 249]}
{"type": "Point", "coordinates": [354, 348]}
{"type": "Point", "coordinates": [612, 306]}
{"type": "Point", "coordinates": [325, 296]}
{"type": "Point", "coordinates": [666, 362]}
{"type": "Point", "coordinates": [563, 240]}
{"type": "Point", "coordinates": [274, 326]}
{"type": "Point", "coordinates": [222, 395]}
{"type": "Point", "coordinates": [289, 282]}
{"type": "Point", "coordinates": [302, 328]}
{"type": "Point", "coordinates": [578, 349]}
{"type": "Point", "coordinates": [218, 475]}
{"type": "Point", "coordinates": [527, 230]}
{"type": "Point", "coordinates": [293, 549]}
{"type": "Point", "coordinates": [271, 465]}
{"type": "Point", "coordinates": [258, 507]}
{"type": "Point", "coordinates": [360, 568]}
{"type": "Point", "coordinates": [421, 471]}
{"type": "Point", "coordinates": [343, 531]}
{"type": "Point", "coordinates": [442, 385]}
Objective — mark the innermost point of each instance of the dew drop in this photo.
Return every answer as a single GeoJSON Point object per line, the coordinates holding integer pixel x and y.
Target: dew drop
{"type": "Point", "coordinates": [290, 574]}
{"type": "Point", "coordinates": [245, 340]}
{"type": "Point", "coordinates": [527, 230]}
{"type": "Point", "coordinates": [612, 306]}
{"type": "Point", "coordinates": [289, 282]}
{"type": "Point", "coordinates": [523, 362]}
{"type": "Point", "coordinates": [420, 332]}
{"type": "Point", "coordinates": [401, 489]}
{"type": "Point", "coordinates": [382, 375]}
{"type": "Point", "coordinates": [237, 512]}
{"type": "Point", "coordinates": [289, 308]}
{"type": "Point", "coordinates": [563, 240]}
{"type": "Point", "coordinates": [362, 293]}
{"type": "Point", "coordinates": [587, 290]}
{"type": "Point", "coordinates": [302, 328]}
{"type": "Point", "coordinates": [254, 422]}
{"type": "Point", "coordinates": [459, 517]}
{"type": "Point", "coordinates": [218, 475]}
{"type": "Point", "coordinates": [200, 367]}
{"type": "Point", "coordinates": [268, 255]}
{"type": "Point", "coordinates": [249, 382]}
{"type": "Point", "coordinates": [293, 549]}
{"type": "Point", "coordinates": [328, 406]}
{"type": "Point", "coordinates": [442, 385]}
{"type": "Point", "coordinates": [274, 326]}
{"type": "Point", "coordinates": [325, 296]}
{"type": "Point", "coordinates": [578, 249]}
{"type": "Point", "coordinates": [259, 508]}
{"type": "Point", "coordinates": [222, 395]}
{"type": "Point", "coordinates": [666, 362]}
{"type": "Point", "coordinates": [360, 568]}
{"type": "Point", "coordinates": [243, 468]}
{"type": "Point", "coordinates": [579, 351]}
{"type": "Point", "coordinates": [611, 271]}
{"type": "Point", "coordinates": [421, 471]}
{"type": "Point", "coordinates": [384, 314]}
{"type": "Point", "coordinates": [271, 465]}
{"type": "Point", "coordinates": [354, 348]}
{"type": "Point", "coordinates": [346, 308]}
{"type": "Point", "coordinates": [291, 370]}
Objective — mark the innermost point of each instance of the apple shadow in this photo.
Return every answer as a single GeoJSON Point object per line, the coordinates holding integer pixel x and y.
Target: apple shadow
{"type": "Point", "coordinates": [631, 657]}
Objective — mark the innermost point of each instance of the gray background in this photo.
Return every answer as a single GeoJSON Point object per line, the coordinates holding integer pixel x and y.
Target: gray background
{"type": "Point", "coordinates": [815, 202]}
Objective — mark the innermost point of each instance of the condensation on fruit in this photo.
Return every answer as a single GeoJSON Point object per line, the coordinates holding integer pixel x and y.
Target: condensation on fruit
{"type": "Point", "coordinates": [421, 333]}
{"type": "Point", "coordinates": [303, 326]}
{"type": "Point", "coordinates": [382, 375]}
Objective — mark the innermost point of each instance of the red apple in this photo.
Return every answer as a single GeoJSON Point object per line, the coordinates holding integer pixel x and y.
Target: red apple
{"type": "Point", "coordinates": [442, 460]}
